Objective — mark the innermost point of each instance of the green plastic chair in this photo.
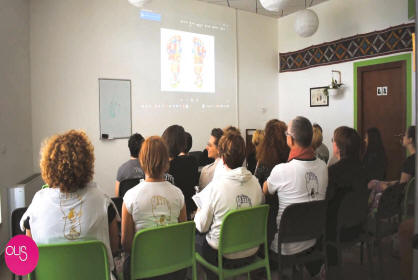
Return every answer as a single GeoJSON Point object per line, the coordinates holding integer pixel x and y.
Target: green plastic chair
{"type": "Point", "coordinates": [163, 250]}
{"type": "Point", "coordinates": [241, 229]}
{"type": "Point", "coordinates": [81, 260]}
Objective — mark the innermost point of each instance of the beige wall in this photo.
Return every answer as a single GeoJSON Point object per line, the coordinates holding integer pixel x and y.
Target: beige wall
{"type": "Point", "coordinates": [15, 106]}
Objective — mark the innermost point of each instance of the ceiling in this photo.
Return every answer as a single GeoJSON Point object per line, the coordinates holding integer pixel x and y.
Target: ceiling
{"type": "Point", "coordinates": [254, 6]}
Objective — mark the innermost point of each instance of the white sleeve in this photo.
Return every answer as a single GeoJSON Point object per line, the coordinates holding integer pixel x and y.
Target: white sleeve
{"type": "Point", "coordinates": [129, 199]}
{"type": "Point", "coordinates": [274, 181]}
{"type": "Point", "coordinates": [28, 212]}
{"type": "Point", "coordinates": [204, 217]}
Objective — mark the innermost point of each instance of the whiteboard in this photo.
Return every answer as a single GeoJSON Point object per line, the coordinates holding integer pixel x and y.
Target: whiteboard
{"type": "Point", "coordinates": [115, 108]}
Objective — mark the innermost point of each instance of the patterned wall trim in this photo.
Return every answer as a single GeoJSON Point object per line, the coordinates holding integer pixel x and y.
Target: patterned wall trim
{"type": "Point", "coordinates": [392, 40]}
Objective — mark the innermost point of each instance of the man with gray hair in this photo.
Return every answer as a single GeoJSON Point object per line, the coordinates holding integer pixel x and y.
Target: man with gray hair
{"type": "Point", "coordinates": [302, 178]}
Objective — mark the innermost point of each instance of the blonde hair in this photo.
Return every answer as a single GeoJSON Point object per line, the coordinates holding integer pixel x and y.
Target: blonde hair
{"type": "Point", "coordinates": [67, 161]}
{"type": "Point", "coordinates": [316, 137]}
{"type": "Point", "coordinates": [154, 157]}
{"type": "Point", "coordinates": [258, 137]}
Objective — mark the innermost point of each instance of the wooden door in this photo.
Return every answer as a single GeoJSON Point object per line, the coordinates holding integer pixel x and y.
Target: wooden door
{"type": "Point", "coordinates": [382, 104]}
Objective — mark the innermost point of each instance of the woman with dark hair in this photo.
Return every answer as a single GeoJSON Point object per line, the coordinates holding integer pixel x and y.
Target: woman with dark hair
{"type": "Point", "coordinates": [407, 171]}
{"type": "Point", "coordinates": [206, 175]}
{"type": "Point", "coordinates": [271, 151]}
{"type": "Point", "coordinates": [183, 168]}
{"type": "Point", "coordinates": [345, 176]}
{"type": "Point", "coordinates": [73, 207]}
{"type": "Point", "coordinates": [374, 159]}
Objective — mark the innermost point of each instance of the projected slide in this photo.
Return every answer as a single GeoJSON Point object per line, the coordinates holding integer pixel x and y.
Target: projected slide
{"type": "Point", "coordinates": [187, 61]}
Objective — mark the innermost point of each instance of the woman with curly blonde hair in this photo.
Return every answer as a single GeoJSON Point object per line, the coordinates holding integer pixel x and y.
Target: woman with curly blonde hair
{"type": "Point", "coordinates": [272, 151]}
{"type": "Point", "coordinates": [72, 207]}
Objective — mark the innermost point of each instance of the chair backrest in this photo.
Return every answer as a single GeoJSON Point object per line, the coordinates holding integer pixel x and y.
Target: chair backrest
{"type": "Point", "coordinates": [390, 202]}
{"type": "Point", "coordinates": [16, 216]}
{"type": "Point", "coordinates": [162, 250]}
{"type": "Point", "coordinates": [353, 210]}
{"type": "Point", "coordinates": [81, 260]}
{"type": "Point", "coordinates": [408, 198]}
{"type": "Point", "coordinates": [126, 185]}
{"type": "Point", "coordinates": [118, 201]}
{"type": "Point", "coordinates": [303, 221]}
{"type": "Point", "coordinates": [243, 229]}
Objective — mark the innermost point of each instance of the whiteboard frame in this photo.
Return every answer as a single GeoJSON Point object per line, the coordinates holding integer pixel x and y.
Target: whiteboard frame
{"type": "Point", "coordinates": [130, 108]}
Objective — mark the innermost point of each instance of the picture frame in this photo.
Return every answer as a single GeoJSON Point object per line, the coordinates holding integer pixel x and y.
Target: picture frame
{"type": "Point", "coordinates": [319, 97]}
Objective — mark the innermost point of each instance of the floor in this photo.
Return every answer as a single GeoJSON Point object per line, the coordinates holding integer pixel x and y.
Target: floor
{"type": "Point", "coordinates": [352, 268]}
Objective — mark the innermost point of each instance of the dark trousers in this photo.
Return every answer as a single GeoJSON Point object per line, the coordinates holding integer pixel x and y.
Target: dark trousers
{"type": "Point", "coordinates": [177, 275]}
{"type": "Point", "coordinates": [211, 255]}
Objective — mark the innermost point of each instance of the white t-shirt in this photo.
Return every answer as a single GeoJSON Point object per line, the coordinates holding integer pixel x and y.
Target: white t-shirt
{"type": "Point", "coordinates": [57, 217]}
{"type": "Point", "coordinates": [154, 204]}
{"type": "Point", "coordinates": [297, 181]}
{"type": "Point", "coordinates": [219, 170]}
{"type": "Point", "coordinates": [236, 188]}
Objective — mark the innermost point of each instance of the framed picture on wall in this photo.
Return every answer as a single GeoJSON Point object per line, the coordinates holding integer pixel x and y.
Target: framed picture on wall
{"type": "Point", "coordinates": [319, 97]}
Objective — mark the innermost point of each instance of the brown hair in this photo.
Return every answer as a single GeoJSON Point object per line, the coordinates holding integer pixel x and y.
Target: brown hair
{"type": "Point", "coordinates": [258, 137]}
{"type": "Point", "coordinates": [348, 142]}
{"type": "Point", "coordinates": [154, 157]}
{"type": "Point", "coordinates": [273, 149]}
{"type": "Point", "coordinates": [231, 129]}
{"type": "Point", "coordinates": [316, 137]}
{"type": "Point", "coordinates": [231, 148]}
{"type": "Point", "coordinates": [174, 137]}
{"type": "Point", "coordinates": [67, 161]}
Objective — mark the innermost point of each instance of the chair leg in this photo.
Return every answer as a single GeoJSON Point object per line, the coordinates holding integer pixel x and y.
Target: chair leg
{"type": "Point", "coordinates": [370, 260]}
{"type": "Point", "coordinates": [361, 252]}
{"type": "Point", "coordinates": [268, 272]}
{"type": "Point", "coordinates": [194, 271]}
{"type": "Point", "coordinates": [380, 257]}
{"type": "Point", "coordinates": [340, 262]}
{"type": "Point", "coordinates": [248, 276]}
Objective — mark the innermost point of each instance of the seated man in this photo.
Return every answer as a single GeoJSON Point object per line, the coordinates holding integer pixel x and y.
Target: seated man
{"type": "Point", "coordinates": [131, 168]}
{"type": "Point", "coordinates": [235, 188]}
{"type": "Point", "coordinates": [303, 178]}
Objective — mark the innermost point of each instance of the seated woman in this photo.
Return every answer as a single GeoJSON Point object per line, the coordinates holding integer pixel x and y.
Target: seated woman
{"type": "Point", "coordinates": [407, 171]}
{"type": "Point", "coordinates": [207, 172]}
{"type": "Point", "coordinates": [154, 202]}
{"type": "Point", "coordinates": [183, 168]}
{"type": "Point", "coordinates": [256, 141]}
{"type": "Point", "coordinates": [374, 159]}
{"type": "Point", "coordinates": [347, 175]}
{"type": "Point", "coordinates": [235, 188]}
{"type": "Point", "coordinates": [73, 207]}
{"type": "Point", "coordinates": [321, 151]}
{"type": "Point", "coordinates": [272, 151]}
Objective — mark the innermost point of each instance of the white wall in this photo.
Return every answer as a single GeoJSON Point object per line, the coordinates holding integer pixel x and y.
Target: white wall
{"type": "Point", "coordinates": [15, 108]}
{"type": "Point", "coordinates": [337, 19]}
{"type": "Point", "coordinates": [73, 44]}
{"type": "Point", "coordinates": [257, 64]}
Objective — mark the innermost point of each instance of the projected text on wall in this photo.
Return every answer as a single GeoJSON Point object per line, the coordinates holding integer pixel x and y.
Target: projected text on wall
{"type": "Point", "coordinates": [187, 61]}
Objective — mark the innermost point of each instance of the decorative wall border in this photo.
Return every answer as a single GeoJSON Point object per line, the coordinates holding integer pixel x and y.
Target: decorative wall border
{"type": "Point", "coordinates": [391, 40]}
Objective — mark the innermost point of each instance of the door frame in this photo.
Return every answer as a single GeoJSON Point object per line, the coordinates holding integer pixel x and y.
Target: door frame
{"type": "Point", "coordinates": [403, 57]}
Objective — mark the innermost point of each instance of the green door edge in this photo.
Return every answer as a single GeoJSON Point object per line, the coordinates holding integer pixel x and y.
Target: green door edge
{"type": "Point", "coordinates": [407, 58]}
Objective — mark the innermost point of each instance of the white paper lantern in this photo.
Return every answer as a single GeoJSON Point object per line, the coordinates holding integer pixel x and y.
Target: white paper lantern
{"type": "Point", "coordinates": [306, 23]}
{"type": "Point", "coordinates": [274, 5]}
{"type": "Point", "coordinates": [139, 3]}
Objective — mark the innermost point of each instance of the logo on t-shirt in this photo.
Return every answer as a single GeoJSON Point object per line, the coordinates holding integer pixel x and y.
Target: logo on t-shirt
{"type": "Point", "coordinates": [161, 210]}
{"type": "Point", "coordinates": [312, 185]}
{"type": "Point", "coordinates": [243, 201]}
{"type": "Point", "coordinates": [71, 215]}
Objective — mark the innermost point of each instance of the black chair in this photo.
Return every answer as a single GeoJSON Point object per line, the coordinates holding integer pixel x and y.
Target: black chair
{"type": "Point", "coordinates": [387, 218]}
{"type": "Point", "coordinates": [127, 184]}
{"type": "Point", "coordinates": [302, 222]}
{"type": "Point", "coordinates": [352, 217]}
{"type": "Point", "coordinates": [15, 221]}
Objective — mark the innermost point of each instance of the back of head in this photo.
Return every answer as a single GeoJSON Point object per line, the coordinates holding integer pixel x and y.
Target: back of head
{"type": "Point", "coordinates": [67, 161]}
{"type": "Point", "coordinates": [217, 134]}
{"type": "Point", "coordinates": [175, 140]}
{"type": "Point", "coordinates": [232, 150]}
{"type": "Point", "coordinates": [411, 134]}
{"type": "Point", "coordinates": [374, 141]}
{"type": "Point", "coordinates": [154, 157]}
{"type": "Point", "coordinates": [348, 142]}
{"type": "Point", "coordinates": [316, 137]}
{"type": "Point", "coordinates": [232, 129]}
{"type": "Point", "coordinates": [134, 144]}
{"type": "Point", "coordinates": [189, 142]}
{"type": "Point", "coordinates": [273, 148]}
{"type": "Point", "coordinates": [301, 130]}
{"type": "Point", "coordinates": [258, 137]}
